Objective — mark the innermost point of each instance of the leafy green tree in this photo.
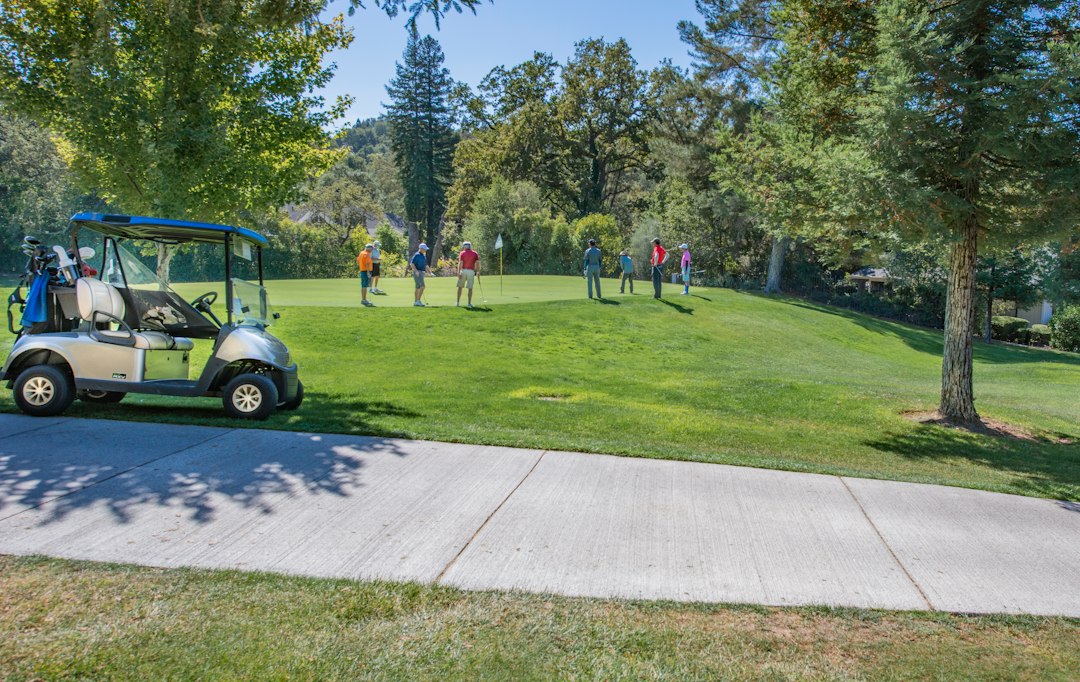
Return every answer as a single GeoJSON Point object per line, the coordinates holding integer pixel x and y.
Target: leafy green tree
{"type": "Point", "coordinates": [342, 205]}
{"type": "Point", "coordinates": [579, 133]}
{"type": "Point", "coordinates": [423, 138]}
{"type": "Point", "coordinates": [518, 213]}
{"type": "Point", "coordinates": [37, 192]}
{"type": "Point", "coordinates": [186, 108]}
{"type": "Point", "coordinates": [609, 238]}
{"type": "Point", "coordinates": [1061, 279]}
{"type": "Point", "coordinates": [1009, 276]}
{"type": "Point", "coordinates": [801, 63]}
{"type": "Point", "coordinates": [605, 115]}
{"type": "Point", "coordinates": [183, 109]}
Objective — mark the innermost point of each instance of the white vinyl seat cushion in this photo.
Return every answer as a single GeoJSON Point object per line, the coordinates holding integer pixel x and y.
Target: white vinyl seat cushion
{"type": "Point", "coordinates": [95, 296]}
{"type": "Point", "coordinates": [151, 340]}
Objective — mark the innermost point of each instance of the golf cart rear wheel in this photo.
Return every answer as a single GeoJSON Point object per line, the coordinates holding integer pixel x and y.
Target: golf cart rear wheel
{"type": "Point", "coordinates": [250, 396]}
{"type": "Point", "coordinates": [102, 397]}
{"type": "Point", "coordinates": [297, 399]}
{"type": "Point", "coordinates": [43, 391]}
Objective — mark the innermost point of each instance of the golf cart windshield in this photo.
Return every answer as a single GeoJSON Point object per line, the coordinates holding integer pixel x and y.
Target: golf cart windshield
{"type": "Point", "coordinates": [148, 301]}
{"type": "Point", "coordinates": [251, 305]}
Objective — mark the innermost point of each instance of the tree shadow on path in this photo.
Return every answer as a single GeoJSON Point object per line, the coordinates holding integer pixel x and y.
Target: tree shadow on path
{"type": "Point", "coordinates": [1041, 467]}
{"type": "Point", "coordinates": [84, 463]}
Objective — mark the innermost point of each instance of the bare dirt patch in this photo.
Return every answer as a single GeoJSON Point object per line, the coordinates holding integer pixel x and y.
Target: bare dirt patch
{"type": "Point", "coordinates": [987, 427]}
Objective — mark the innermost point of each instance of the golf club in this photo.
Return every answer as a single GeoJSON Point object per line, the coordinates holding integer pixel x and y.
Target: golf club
{"type": "Point", "coordinates": [481, 283]}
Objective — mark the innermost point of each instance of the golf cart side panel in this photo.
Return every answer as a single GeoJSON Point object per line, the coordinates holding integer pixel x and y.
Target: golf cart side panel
{"type": "Point", "coordinates": [92, 360]}
{"type": "Point", "coordinates": [43, 349]}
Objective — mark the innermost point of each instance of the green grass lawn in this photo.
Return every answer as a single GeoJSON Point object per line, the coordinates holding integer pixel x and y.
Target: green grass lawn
{"type": "Point", "coordinates": [719, 376]}
{"type": "Point", "coordinates": [63, 620]}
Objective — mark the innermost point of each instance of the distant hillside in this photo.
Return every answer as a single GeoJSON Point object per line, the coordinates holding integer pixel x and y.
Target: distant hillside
{"type": "Point", "coordinates": [366, 137]}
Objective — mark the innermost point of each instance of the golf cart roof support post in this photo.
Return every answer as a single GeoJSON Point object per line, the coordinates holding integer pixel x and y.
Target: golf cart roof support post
{"type": "Point", "coordinates": [258, 252]}
{"type": "Point", "coordinates": [228, 279]}
{"type": "Point", "coordinates": [119, 262]}
{"type": "Point", "coordinates": [78, 258]}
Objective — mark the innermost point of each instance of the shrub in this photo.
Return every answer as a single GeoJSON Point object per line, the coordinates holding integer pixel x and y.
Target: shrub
{"type": "Point", "coordinates": [1040, 335]}
{"type": "Point", "coordinates": [1065, 329]}
{"type": "Point", "coordinates": [1005, 328]}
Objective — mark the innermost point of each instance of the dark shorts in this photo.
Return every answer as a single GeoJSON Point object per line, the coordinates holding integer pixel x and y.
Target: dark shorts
{"type": "Point", "coordinates": [375, 268]}
{"type": "Point", "coordinates": [365, 280]}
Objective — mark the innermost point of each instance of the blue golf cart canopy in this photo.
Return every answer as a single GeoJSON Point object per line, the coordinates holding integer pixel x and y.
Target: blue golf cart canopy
{"type": "Point", "coordinates": [164, 229]}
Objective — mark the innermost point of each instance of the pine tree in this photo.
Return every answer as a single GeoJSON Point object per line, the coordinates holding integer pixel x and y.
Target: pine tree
{"type": "Point", "coordinates": [971, 134]}
{"type": "Point", "coordinates": [422, 135]}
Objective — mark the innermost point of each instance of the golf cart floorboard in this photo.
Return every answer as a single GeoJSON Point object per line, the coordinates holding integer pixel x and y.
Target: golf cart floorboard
{"type": "Point", "coordinates": [185, 388]}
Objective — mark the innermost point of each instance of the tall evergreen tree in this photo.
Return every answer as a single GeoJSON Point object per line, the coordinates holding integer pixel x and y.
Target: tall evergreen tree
{"type": "Point", "coordinates": [972, 132]}
{"type": "Point", "coordinates": [423, 138]}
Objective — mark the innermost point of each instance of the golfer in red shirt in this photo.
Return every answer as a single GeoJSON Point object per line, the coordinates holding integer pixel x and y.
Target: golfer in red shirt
{"type": "Point", "coordinates": [659, 255]}
{"type": "Point", "coordinates": [468, 260]}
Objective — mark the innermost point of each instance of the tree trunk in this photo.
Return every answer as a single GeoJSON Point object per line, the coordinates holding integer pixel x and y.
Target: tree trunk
{"type": "Point", "coordinates": [165, 253]}
{"type": "Point", "coordinates": [990, 305]}
{"type": "Point", "coordinates": [776, 264]}
{"type": "Point", "coordinates": [957, 396]}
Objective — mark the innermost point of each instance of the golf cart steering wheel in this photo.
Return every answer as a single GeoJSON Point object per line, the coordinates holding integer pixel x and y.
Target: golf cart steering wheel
{"type": "Point", "coordinates": [203, 303]}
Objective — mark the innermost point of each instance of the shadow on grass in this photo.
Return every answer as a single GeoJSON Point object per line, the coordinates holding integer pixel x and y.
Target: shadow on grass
{"type": "Point", "coordinates": [1042, 468]}
{"type": "Point", "coordinates": [682, 309]}
{"type": "Point", "coordinates": [478, 309]}
{"type": "Point", "coordinates": [608, 301]}
{"type": "Point", "coordinates": [930, 341]}
{"type": "Point", "coordinates": [122, 466]}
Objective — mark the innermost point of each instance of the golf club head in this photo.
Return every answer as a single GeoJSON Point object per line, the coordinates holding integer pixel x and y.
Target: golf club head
{"type": "Point", "coordinates": [62, 256]}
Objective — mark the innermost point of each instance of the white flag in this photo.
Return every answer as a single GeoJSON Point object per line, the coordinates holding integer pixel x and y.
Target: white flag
{"type": "Point", "coordinates": [498, 241]}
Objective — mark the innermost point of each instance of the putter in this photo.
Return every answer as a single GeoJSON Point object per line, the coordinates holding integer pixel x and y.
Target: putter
{"type": "Point", "coordinates": [481, 283]}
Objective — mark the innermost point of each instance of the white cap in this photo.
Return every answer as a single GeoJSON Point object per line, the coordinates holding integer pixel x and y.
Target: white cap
{"type": "Point", "coordinates": [367, 246]}
{"type": "Point", "coordinates": [422, 247]}
{"type": "Point", "coordinates": [683, 246]}
{"type": "Point", "coordinates": [467, 245]}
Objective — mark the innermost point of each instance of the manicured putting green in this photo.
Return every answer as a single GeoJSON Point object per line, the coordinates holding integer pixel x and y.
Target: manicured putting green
{"type": "Point", "coordinates": [441, 291]}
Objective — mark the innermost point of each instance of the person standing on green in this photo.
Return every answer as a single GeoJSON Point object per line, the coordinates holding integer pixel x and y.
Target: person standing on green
{"type": "Point", "coordinates": [627, 264]}
{"type": "Point", "coordinates": [419, 265]}
{"type": "Point", "coordinates": [592, 267]}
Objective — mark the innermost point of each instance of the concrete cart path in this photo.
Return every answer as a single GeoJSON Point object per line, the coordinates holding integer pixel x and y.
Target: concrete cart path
{"type": "Point", "coordinates": [482, 517]}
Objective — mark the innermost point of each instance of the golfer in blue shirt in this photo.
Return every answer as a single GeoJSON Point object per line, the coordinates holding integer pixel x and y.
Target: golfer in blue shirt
{"type": "Point", "coordinates": [419, 265]}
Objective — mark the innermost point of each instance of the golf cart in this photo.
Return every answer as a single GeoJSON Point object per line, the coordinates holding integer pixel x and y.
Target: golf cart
{"type": "Point", "coordinates": [99, 338]}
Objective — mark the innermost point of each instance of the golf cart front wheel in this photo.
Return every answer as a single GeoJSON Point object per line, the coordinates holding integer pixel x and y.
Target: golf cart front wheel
{"type": "Point", "coordinates": [43, 391]}
{"type": "Point", "coordinates": [250, 396]}
{"type": "Point", "coordinates": [297, 399]}
{"type": "Point", "coordinates": [102, 397]}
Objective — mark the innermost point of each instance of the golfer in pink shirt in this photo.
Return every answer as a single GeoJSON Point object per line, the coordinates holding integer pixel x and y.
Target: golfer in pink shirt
{"type": "Point", "coordinates": [685, 268]}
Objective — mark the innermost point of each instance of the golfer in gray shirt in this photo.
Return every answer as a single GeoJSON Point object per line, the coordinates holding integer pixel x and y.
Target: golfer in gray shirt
{"type": "Point", "coordinates": [592, 267]}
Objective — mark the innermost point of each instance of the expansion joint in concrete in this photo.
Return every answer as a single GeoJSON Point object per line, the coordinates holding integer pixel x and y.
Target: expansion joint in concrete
{"type": "Point", "coordinates": [448, 566]}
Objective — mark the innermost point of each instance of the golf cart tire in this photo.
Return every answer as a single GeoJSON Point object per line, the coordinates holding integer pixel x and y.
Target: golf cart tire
{"type": "Point", "coordinates": [101, 397]}
{"type": "Point", "coordinates": [250, 396]}
{"type": "Point", "coordinates": [297, 399]}
{"type": "Point", "coordinates": [43, 390]}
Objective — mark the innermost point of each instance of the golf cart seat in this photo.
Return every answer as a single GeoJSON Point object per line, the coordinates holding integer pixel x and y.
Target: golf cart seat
{"type": "Point", "coordinates": [101, 302]}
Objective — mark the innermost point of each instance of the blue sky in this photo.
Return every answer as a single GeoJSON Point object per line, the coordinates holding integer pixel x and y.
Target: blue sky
{"type": "Point", "coordinates": [507, 32]}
